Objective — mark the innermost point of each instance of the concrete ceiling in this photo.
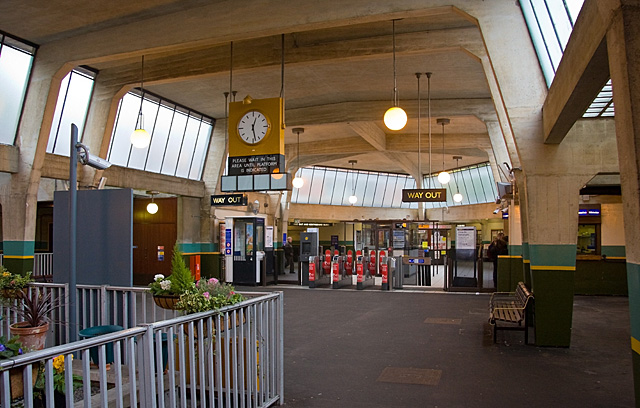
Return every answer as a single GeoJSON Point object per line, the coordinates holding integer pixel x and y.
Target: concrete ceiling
{"type": "Point", "coordinates": [338, 78]}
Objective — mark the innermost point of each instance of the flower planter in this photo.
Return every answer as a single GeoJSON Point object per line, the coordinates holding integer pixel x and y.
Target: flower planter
{"type": "Point", "coordinates": [32, 338]}
{"type": "Point", "coordinates": [17, 383]}
{"type": "Point", "coordinates": [12, 293]}
{"type": "Point", "coordinates": [166, 301]}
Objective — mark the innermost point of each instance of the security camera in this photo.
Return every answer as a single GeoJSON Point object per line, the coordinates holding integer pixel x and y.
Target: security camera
{"type": "Point", "coordinates": [87, 158]}
{"type": "Point", "coordinates": [497, 210]}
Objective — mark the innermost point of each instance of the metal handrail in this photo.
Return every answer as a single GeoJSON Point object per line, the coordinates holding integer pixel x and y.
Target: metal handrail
{"type": "Point", "coordinates": [242, 363]}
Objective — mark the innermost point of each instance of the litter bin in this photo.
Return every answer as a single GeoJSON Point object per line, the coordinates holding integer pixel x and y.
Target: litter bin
{"type": "Point", "coordinates": [95, 331]}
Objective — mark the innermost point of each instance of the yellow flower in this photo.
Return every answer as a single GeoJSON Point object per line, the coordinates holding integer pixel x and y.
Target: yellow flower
{"type": "Point", "coordinates": [58, 363]}
{"type": "Point", "coordinates": [6, 274]}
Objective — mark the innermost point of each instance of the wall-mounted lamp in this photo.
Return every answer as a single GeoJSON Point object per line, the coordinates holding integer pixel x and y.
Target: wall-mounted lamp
{"type": "Point", "coordinates": [255, 207]}
{"type": "Point", "coordinates": [152, 207]}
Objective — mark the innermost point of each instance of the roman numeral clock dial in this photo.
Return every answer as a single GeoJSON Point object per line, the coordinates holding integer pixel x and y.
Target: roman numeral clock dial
{"type": "Point", "coordinates": [253, 127]}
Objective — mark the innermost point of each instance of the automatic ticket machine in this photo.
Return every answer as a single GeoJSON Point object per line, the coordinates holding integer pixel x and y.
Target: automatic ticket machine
{"type": "Point", "coordinates": [244, 250]}
{"type": "Point", "coordinates": [308, 256]}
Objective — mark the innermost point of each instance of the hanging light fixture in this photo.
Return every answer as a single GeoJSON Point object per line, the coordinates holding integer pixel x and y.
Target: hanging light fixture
{"type": "Point", "coordinates": [457, 197]}
{"type": "Point", "coordinates": [352, 198]}
{"type": "Point", "coordinates": [395, 118]}
{"type": "Point", "coordinates": [443, 177]}
{"type": "Point", "coordinates": [152, 207]}
{"type": "Point", "coordinates": [298, 182]}
{"type": "Point", "coordinates": [140, 138]}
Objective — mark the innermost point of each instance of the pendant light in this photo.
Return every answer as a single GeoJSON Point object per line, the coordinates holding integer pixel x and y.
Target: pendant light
{"type": "Point", "coordinates": [140, 138]}
{"type": "Point", "coordinates": [457, 197]}
{"type": "Point", "coordinates": [298, 182]}
{"type": "Point", "coordinates": [395, 118]}
{"type": "Point", "coordinates": [352, 198]}
{"type": "Point", "coordinates": [443, 177]}
{"type": "Point", "coordinates": [152, 207]}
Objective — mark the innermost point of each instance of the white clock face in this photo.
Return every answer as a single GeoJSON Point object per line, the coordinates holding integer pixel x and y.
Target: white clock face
{"type": "Point", "coordinates": [253, 127]}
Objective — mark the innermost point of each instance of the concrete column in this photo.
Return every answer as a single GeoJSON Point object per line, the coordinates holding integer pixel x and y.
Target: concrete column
{"type": "Point", "coordinates": [19, 193]}
{"type": "Point", "coordinates": [623, 47]}
{"type": "Point", "coordinates": [549, 177]}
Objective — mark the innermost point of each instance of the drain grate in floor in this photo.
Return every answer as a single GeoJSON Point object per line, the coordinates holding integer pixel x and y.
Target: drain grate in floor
{"type": "Point", "coordinates": [442, 320]}
{"type": "Point", "coordinates": [403, 375]}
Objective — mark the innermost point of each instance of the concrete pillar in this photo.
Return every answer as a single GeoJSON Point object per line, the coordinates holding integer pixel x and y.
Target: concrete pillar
{"type": "Point", "coordinates": [548, 177]}
{"type": "Point", "coordinates": [498, 154]}
{"type": "Point", "coordinates": [623, 48]}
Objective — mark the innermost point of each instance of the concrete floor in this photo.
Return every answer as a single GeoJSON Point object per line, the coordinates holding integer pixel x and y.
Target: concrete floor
{"type": "Point", "coordinates": [436, 350]}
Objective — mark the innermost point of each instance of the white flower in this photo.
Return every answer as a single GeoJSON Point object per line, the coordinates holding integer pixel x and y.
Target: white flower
{"type": "Point", "coordinates": [158, 277]}
{"type": "Point", "coordinates": [165, 285]}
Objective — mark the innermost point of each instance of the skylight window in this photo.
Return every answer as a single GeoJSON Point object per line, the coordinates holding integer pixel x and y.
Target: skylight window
{"type": "Point", "coordinates": [550, 25]}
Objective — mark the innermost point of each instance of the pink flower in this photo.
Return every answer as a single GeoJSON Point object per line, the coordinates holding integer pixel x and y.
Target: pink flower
{"type": "Point", "coordinates": [206, 295]}
{"type": "Point", "coordinates": [213, 281]}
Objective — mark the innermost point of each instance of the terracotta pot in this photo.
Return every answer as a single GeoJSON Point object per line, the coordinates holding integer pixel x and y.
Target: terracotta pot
{"type": "Point", "coordinates": [32, 338]}
{"type": "Point", "coordinates": [166, 301]}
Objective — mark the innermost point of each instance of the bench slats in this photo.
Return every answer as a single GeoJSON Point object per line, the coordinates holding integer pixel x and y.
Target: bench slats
{"type": "Point", "coordinates": [510, 307]}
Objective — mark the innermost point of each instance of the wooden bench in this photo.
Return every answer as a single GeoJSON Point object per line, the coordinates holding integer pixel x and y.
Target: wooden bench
{"type": "Point", "coordinates": [510, 307]}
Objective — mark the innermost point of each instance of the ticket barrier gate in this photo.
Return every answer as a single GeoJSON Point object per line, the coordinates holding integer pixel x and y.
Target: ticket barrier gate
{"type": "Point", "coordinates": [339, 277]}
{"type": "Point", "coordinates": [387, 270]}
{"type": "Point", "coordinates": [363, 276]}
{"type": "Point", "coordinates": [317, 275]}
{"type": "Point", "coordinates": [423, 269]}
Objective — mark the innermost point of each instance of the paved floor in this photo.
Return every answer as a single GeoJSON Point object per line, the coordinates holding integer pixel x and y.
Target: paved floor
{"type": "Point", "coordinates": [348, 348]}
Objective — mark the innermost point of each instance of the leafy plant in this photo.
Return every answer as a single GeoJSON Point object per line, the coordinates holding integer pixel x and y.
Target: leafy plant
{"type": "Point", "coordinates": [180, 280]}
{"type": "Point", "coordinates": [10, 347]}
{"type": "Point", "coordinates": [35, 307]}
{"type": "Point", "coordinates": [13, 281]}
{"type": "Point", "coordinates": [58, 378]}
{"type": "Point", "coordinates": [208, 295]}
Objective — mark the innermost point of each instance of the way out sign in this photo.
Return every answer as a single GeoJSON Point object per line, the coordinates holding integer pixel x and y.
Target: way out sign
{"type": "Point", "coordinates": [424, 195]}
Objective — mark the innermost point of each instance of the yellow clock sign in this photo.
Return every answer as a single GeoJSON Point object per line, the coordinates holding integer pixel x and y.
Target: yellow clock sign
{"type": "Point", "coordinates": [256, 136]}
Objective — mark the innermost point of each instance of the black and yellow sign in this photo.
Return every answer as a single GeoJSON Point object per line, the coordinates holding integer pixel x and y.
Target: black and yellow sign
{"type": "Point", "coordinates": [256, 128]}
{"type": "Point", "coordinates": [424, 195]}
{"type": "Point", "coordinates": [228, 199]}
{"type": "Point", "coordinates": [262, 164]}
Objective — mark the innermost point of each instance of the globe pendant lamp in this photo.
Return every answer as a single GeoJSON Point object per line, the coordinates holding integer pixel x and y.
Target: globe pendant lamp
{"type": "Point", "coordinates": [395, 118]}
{"type": "Point", "coordinates": [443, 177]}
{"type": "Point", "coordinates": [140, 138]}
{"type": "Point", "coordinates": [457, 197]}
{"type": "Point", "coordinates": [152, 207]}
{"type": "Point", "coordinates": [352, 198]}
{"type": "Point", "coordinates": [298, 182]}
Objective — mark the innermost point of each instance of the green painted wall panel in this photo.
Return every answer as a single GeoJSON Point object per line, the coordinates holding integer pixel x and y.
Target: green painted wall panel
{"type": "Point", "coordinates": [633, 279]}
{"type": "Point", "coordinates": [515, 250]}
{"type": "Point", "coordinates": [18, 265]}
{"type": "Point", "coordinates": [509, 273]}
{"type": "Point", "coordinates": [614, 250]}
{"type": "Point", "coordinates": [552, 255]}
{"type": "Point", "coordinates": [601, 277]}
{"type": "Point", "coordinates": [553, 293]}
{"type": "Point", "coordinates": [19, 248]}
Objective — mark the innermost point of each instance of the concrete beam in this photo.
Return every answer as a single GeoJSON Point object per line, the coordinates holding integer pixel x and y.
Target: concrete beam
{"type": "Point", "coordinates": [583, 71]}
{"type": "Point", "coordinates": [9, 158]}
{"type": "Point", "coordinates": [482, 108]}
{"type": "Point", "coordinates": [57, 167]}
{"type": "Point", "coordinates": [371, 133]}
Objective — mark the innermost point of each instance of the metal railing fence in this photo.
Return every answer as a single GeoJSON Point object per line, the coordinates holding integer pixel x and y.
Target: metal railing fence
{"type": "Point", "coordinates": [232, 357]}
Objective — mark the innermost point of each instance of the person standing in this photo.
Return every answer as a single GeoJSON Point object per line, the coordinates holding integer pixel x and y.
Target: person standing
{"type": "Point", "coordinates": [288, 255]}
{"type": "Point", "coordinates": [498, 247]}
